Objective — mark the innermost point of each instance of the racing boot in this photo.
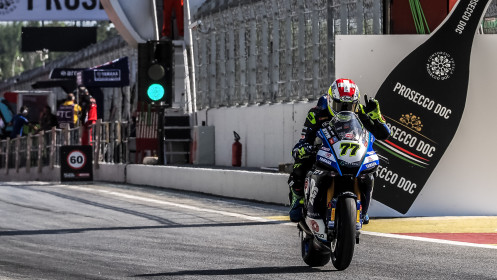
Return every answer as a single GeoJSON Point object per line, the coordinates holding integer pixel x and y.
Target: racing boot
{"type": "Point", "coordinates": [296, 197]}
{"type": "Point", "coordinates": [366, 185]}
{"type": "Point", "coordinates": [296, 206]}
{"type": "Point", "coordinates": [365, 219]}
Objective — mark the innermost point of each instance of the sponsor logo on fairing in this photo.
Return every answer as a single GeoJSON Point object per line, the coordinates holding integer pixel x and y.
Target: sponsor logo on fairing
{"type": "Point", "coordinates": [349, 136]}
{"type": "Point", "coordinates": [326, 134]}
{"type": "Point", "coordinates": [349, 164]}
{"type": "Point", "coordinates": [317, 172]}
{"type": "Point", "coordinates": [372, 157]}
{"type": "Point", "coordinates": [315, 226]}
{"type": "Point", "coordinates": [327, 161]}
{"type": "Point", "coordinates": [372, 164]}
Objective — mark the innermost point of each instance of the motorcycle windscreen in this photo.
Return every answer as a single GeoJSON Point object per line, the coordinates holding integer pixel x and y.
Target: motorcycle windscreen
{"type": "Point", "coordinates": [352, 142]}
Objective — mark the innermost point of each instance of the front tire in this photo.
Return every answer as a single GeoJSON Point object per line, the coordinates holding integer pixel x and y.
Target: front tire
{"type": "Point", "coordinates": [345, 224]}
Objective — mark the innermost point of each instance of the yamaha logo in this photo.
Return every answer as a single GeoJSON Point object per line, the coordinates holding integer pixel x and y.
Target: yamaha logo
{"type": "Point", "coordinates": [440, 66]}
{"type": "Point", "coordinates": [7, 6]}
{"type": "Point", "coordinates": [315, 226]}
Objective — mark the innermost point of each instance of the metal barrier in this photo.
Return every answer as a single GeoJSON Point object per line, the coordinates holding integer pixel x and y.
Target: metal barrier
{"type": "Point", "coordinates": [250, 52]}
{"type": "Point", "coordinates": [266, 51]}
{"type": "Point", "coordinates": [109, 141]}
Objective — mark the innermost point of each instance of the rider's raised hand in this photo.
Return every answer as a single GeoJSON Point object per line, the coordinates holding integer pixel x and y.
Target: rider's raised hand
{"type": "Point", "coordinates": [372, 109]}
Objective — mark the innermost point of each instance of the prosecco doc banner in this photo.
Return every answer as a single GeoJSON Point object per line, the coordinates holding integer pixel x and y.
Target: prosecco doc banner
{"type": "Point", "coordinates": [423, 100]}
{"type": "Point", "coordinates": [32, 10]}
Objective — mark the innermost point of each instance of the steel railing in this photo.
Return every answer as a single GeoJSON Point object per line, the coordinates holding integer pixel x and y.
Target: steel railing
{"type": "Point", "coordinates": [34, 151]}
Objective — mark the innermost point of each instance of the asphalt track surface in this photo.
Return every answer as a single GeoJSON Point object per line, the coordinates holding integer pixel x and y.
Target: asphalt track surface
{"type": "Point", "coordinates": [109, 231]}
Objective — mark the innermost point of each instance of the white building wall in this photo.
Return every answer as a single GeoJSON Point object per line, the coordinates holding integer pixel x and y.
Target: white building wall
{"type": "Point", "coordinates": [268, 132]}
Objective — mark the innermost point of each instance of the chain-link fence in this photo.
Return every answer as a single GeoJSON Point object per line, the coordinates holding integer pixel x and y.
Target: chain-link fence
{"type": "Point", "coordinates": [265, 51]}
{"type": "Point", "coordinates": [250, 52]}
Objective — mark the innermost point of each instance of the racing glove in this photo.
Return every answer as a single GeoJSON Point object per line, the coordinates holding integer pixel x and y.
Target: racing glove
{"type": "Point", "coordinates": [302, 151]}
{"type": "Point", "coordinates": [372, 109]}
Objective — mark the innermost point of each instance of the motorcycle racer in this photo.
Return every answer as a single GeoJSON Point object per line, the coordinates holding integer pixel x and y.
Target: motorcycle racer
{"type": "Point", "coordinates": [343, 95]}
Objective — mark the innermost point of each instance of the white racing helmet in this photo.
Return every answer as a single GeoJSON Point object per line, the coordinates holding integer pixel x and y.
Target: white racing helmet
{"type": "Point", "coordinates": [343, 95]}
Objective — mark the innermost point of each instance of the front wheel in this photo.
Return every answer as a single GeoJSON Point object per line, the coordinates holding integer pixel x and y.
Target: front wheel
{"type": "Point", "coordinates": [342, 248]}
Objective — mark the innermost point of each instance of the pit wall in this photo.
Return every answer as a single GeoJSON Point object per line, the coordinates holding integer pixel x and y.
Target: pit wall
{"type": "Point", "coordinates": [269, 187]}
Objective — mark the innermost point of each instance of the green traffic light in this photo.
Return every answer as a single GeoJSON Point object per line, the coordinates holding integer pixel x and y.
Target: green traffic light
{"type": "Point", "coordinates": [155, 92]}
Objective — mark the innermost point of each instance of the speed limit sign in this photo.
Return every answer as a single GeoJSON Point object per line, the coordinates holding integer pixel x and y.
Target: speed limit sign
{"type": "Point", "coordinates": [76, 163]}
{"type": "Point", "coordinates": [76, 159]}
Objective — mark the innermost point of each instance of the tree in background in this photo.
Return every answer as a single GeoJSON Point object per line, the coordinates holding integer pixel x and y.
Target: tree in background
{"type": "Point", "coordinates": [10, 42]}
{"type": "Point", "coordinates": [13, 61]}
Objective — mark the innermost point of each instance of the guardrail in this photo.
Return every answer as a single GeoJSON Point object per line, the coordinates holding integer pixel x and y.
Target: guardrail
{"type": "Point", "coordinates": [109, 141]}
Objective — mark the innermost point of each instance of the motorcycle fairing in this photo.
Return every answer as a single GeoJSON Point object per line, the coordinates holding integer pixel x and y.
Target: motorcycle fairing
{"type": "Point", "coordinates": [326, 154]}
{"type": "Point", "coordinates": [371, 159]}
{"type": "Point", "coordinates": [346, 144]}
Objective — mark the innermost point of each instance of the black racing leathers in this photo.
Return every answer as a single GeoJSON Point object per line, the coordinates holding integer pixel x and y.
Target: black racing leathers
{"type": "Point", "coordinates": [314, 121]}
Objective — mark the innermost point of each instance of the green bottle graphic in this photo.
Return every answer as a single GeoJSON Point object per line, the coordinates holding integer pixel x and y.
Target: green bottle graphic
{"type": "Point", "coordinates": [423, 100]}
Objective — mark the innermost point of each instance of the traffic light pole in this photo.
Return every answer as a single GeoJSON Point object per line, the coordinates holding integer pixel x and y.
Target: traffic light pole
{"type": "Point", "coordinates": [155, 80]}
{"type": "Point", "coordinates": [160, 132]}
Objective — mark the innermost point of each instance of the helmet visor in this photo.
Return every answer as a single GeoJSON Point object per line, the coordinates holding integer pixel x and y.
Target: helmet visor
{"type": "Point", "coordinates": [339, 106]}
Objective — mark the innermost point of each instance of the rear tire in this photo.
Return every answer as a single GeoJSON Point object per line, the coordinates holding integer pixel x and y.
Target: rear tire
{"type": "Point", "coordinates": [311, 255]}
{"type": "Point", "coordinates": [345, 224]}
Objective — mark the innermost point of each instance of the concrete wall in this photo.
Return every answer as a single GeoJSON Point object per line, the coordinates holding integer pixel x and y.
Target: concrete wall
{"type": "Point", "coordinates": [435, 200]}
{"type": "Point", "coordinates": [46, 174]}
{"type": "Point", "coordinates": [259, 186]}
{"type": "Point", "coordinates": [267, 187]}
{"type": "Point", "coordinates": [268, 132]}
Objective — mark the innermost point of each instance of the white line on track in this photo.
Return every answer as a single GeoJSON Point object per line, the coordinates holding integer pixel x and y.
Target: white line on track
{"type": "Point", "coordinates": [168, 203]}
{"type": "Point", "coordinates": [259, 219]}
{"type": "Point", "coordinates": [417, 238]}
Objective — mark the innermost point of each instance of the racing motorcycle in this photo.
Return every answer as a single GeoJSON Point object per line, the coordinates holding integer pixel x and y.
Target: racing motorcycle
{"type": "Point", "coordinates": [332, 207]}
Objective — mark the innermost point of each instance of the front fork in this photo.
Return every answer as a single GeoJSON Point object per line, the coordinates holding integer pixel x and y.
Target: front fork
{"type": "Point", "coordinates": [331, 205]}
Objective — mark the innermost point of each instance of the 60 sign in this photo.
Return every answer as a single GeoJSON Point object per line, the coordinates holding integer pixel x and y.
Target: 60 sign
{"type": "Point", "coordinates": [76, 159]}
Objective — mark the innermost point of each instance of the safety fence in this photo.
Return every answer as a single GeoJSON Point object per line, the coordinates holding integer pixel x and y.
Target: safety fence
{"type": "Point", "coordinates": [252, 52]}
{"type": "Point", "coordinates": [109, 141]}
{"type": "Point", "coordinates": [266, 51]}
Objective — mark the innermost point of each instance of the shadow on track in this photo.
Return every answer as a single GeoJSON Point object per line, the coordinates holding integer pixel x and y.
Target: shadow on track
{"type": "Point", "coordinates": [240, 271]}
{"type": "Point", "coordinates": [80, 230]}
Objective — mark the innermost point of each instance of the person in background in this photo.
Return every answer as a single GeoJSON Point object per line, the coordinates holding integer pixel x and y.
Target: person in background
{"type": "Point", "coordinates": [47, 119]}
{"type": "Point", "coordinates": [88, 115]}
{"type": "Point", "coordinates": [2, 128]}
{"type": "Point", "coordinates": [19, 121]}
{"type": "Point", "coordinates": [168, 8]}
{"type": "Point", "coordinates": [68, 112]}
